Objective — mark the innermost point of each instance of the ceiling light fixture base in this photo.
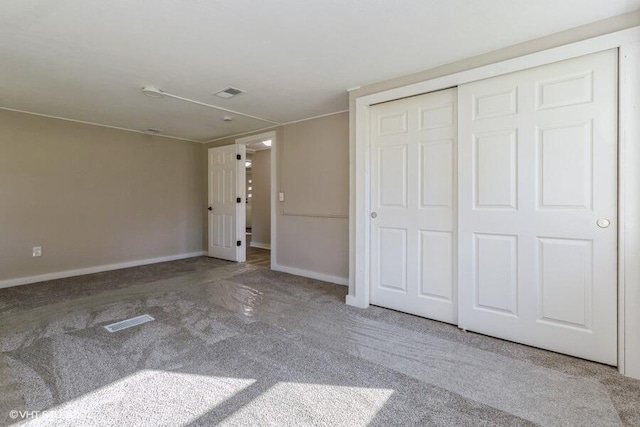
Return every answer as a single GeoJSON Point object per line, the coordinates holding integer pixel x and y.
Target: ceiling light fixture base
{"type": "Point", "coordinates": [153, 92]}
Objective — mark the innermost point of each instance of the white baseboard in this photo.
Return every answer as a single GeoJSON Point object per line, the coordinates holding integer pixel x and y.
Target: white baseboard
{"type": "Point", "coordinates": [312, 275]}
{"type": "Point", "coordinates": [90, 270]}
{"type": "Point", "coordinates": [260, 245]}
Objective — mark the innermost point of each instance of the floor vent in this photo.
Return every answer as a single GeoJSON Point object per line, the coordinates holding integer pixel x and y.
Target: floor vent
{"type": "Point", "coordinates": [128, 323]}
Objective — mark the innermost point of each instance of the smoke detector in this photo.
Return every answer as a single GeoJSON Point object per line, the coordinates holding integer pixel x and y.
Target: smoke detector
{"type": "Point", "coordinates": [229, 92]}
{"type": "Point", "coordinates": [152, 131]}
{"type": "Point", "coordinates": [153, 91]}
{"type": "Point", "coordinates": [227, 119]}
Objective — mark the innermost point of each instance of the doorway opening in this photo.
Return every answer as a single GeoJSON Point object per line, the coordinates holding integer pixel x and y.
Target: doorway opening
{"type": "Point", "coordinates": [258, 198]}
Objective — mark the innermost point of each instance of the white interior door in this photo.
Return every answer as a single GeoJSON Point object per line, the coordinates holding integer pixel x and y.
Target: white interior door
{"type": "Point", "coordinates": [538, 207]}
{"type": "Point", "coordinates": [227, 202]}
{"type": "Point", "coordinates": [413, 243]}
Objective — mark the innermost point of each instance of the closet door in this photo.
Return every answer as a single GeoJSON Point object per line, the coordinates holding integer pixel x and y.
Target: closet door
{"type": "Point", "coordinates": [538, 207]}
{"type": "Point", "coordinates": [413, 205]}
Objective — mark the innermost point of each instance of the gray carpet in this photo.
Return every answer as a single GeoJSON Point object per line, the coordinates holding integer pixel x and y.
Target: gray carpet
{"type": "Point", "coordinates": [237, 344]}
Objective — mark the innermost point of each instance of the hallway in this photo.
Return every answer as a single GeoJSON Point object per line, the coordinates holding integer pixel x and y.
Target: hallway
{"type": "Point", "coordinates": [258, 256]}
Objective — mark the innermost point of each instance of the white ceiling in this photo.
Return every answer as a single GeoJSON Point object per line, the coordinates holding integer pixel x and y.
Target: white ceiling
{"type": "Point", "coordinates": [87, 59]}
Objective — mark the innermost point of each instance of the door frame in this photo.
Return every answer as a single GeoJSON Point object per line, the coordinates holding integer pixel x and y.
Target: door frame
{"type": "Point", "coordinates": [273, 198]}
{"type": "Point", "coordinates": [628, 44]}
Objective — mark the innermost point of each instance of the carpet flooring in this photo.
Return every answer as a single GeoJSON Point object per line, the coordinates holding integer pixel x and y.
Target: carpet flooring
{"type": "Point", "coordinates": [238, 344]}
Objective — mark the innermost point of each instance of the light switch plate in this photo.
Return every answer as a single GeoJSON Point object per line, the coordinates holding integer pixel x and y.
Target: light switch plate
{"type": "Point", "coordinates": [37, 251]}
{"type": "Point", "coordinates": [281, 196]}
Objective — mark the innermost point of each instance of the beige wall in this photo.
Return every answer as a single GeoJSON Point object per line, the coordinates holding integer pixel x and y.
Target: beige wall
{"type": "Point", "coordinates": [93, 196]}
{"type": "Point", "coordinates": [315, 167]}
{"type": "Point", "coordinates": [261, 197]}
{"type": "Point", "coordinates": [313, 226]}
{"type": "Point", "coordinates": [312, 170]}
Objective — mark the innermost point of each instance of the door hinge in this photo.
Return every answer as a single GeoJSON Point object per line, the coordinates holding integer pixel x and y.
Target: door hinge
{"type": "Point", "coordinates": [238, 200]}
{"type": "Point", "coordinates": [238, 157]}
{"type": "Point", "coordinates": [239, 243]}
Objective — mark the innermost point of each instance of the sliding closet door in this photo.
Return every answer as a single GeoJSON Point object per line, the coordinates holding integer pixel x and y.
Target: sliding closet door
{"type": "Point", "coordinates": [538, 206]}
{"type": "Point", "coordinates": [413, 205]}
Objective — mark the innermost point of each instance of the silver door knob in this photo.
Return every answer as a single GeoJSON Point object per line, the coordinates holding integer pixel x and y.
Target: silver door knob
{"type": "Point", "coordinates": [603, 223]}
{"type": "Point", "coordinates": [373, 215]}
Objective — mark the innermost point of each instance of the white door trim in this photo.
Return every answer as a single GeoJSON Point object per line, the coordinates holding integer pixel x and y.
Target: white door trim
{"type": "Point", "coordinates": [272, 135]}
{"type": "Point", "coordinates": [628, 41]}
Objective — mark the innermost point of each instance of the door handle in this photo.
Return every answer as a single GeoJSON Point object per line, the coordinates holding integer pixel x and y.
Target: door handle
{"type": "Point", "coordinates": [374, 215]}
{"type": "Point", "coordinates": [210, 208]}
{"type": "Point", "coordinates": [603, 223]}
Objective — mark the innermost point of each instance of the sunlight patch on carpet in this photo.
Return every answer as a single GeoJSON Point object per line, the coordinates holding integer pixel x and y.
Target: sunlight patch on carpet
{"type": "Point", "coordinates": [148, 397]}
{"type": "Point", "coordinates": [288, 403]}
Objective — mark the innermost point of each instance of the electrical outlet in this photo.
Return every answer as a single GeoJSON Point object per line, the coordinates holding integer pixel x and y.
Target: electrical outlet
{"type": "Point", "coordinates": [37, 251]}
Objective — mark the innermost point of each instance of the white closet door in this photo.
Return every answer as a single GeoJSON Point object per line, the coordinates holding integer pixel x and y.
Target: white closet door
{"type": "Point", "coordinates": [413, 244]}
{"type": "Point", "coordinates": [538, 206]}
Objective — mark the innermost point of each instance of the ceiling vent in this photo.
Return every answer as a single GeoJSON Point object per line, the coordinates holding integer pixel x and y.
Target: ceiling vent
{"type": "Point", "coordinates": [229, 92]}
